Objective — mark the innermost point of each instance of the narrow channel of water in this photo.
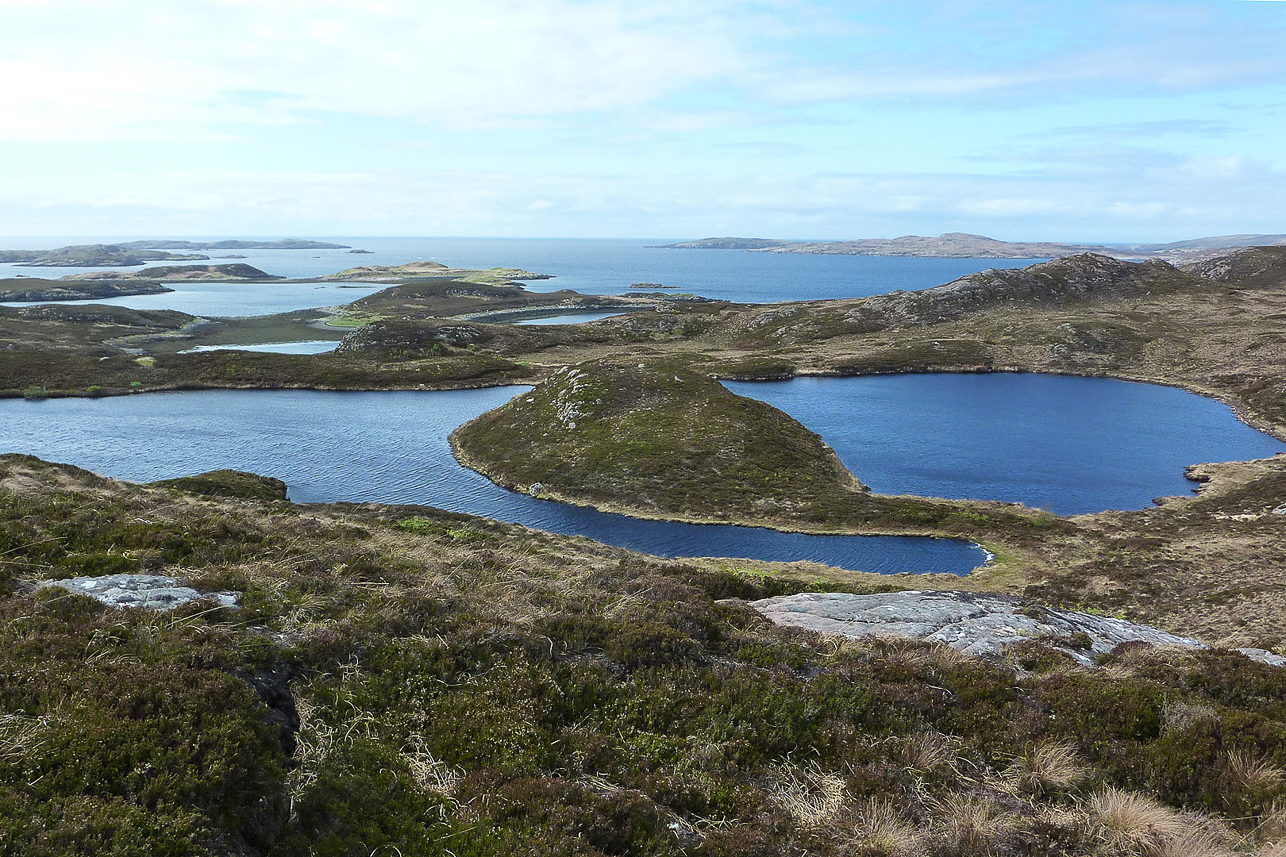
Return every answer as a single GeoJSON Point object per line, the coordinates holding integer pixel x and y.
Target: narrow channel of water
{"type": "Point", "coordinates": [391, 447]}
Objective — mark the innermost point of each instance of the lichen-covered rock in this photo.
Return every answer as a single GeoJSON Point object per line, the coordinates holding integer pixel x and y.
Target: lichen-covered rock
{"type": "Point", "coordinates": [153, 591]}
{"type": "Point", "coordinates": [972, 623]}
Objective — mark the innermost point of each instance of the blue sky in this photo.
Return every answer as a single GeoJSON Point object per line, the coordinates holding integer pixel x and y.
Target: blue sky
{"type": "Point", "coordinates": [1111, 121]}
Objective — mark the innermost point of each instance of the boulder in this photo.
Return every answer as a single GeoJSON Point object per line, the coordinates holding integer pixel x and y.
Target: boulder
{"type": "Point", "coordinates": [974, 623]}
{"type": "Point", "coordinates": [153, 591]}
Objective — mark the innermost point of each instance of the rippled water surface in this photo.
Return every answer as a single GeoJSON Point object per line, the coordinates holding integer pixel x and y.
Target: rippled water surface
{"type": "Point", "coordinates": [1066, 444]}
{"type": "Point", "coordinates": [390, 447]}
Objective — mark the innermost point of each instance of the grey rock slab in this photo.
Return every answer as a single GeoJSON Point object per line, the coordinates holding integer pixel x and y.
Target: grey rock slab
{"type": "Point", "coordinates": [153, 591]}
{"type": "Point", "coordinates": [973, 623]}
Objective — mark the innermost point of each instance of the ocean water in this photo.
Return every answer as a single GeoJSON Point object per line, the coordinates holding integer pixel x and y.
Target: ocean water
{"type": "Point", "coordinates": [605, 266]}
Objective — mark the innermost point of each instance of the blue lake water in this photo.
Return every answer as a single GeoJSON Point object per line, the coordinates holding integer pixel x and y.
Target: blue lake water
{"type": "Point", "coordinates": [391, 447]}
{"type": "Point", "coordinates": [588, 266]}
{"type": "Point", "coordinates": [1066, 444]}
{"type": "Point", "coordinates": [571, 318]}
{"type": "Point", "coordinates": [238, 300]}
{"type": "Point", "coordinates": [308, 346]}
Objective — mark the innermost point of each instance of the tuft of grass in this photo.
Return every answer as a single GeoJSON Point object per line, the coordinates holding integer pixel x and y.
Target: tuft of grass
{"type": "Point", "coordinates": [811, 796]}
{"type": "Point", "coordinates": [1048, 765]}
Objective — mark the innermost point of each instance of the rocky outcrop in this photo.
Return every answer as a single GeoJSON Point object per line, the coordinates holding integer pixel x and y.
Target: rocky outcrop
{"type": "Point", "coordinates": [153, 591]}
{"type": "Point", "coordinates": [1084, 277]}
{"type": "Point", "coordinates": [1253, 267]}
{"type": "Point", "coordinates": [976, 624]}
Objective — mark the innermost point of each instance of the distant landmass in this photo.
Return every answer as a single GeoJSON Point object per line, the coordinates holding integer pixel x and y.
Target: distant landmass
{"type": "Point", "coordinates": [966, 245]}
{"type": "Point", "coordinates": [727, 244]}
{"type": "Point", "coordinates": [233, 271]}
{"type": "Point", "coordinates": [235, 244]}
{"type": "Point", "coordinates": [93, 256]}
{"type": "Point", "coordinates": [134, 253]}
{"type": "Point", "coordinates": [32, 289]}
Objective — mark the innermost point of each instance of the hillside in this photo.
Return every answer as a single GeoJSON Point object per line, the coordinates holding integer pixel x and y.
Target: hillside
{"type": "Point", "coordinates": [389, 679]}
{"type": "Point", "coordinates": [660, 438]}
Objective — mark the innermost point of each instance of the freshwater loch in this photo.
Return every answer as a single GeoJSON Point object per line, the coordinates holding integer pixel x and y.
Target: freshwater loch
{"type": "Point", "coordinates": [1066, 444]}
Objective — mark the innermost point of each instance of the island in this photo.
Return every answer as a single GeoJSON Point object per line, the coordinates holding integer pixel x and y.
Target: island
{"type": "Point", "coordinates": [130, 254]}
{"type": "Point", "coordinates": [93, 256]}
{"type": "Point", "coordinates": [965, 245]}
{"type": "Point", "coordinates": [37, 290]}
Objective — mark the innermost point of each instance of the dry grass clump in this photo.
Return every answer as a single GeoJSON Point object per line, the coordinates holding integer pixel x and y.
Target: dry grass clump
{"type": "Point", "coordinates": [1136, 824]}
{"type": "Point", "coordinates": [1277, 849]}
{"type": "Point", "coordinates": [877, 825]}
{"type": "Point", "coordinates": [21, 734]}
{"type": "Point", "coordinates": [1248, 771]}
{"type": "Point", "coordinates": [928, 752]}
{"type": "Point", "coordinates": [1273, 827]}
{"type": "Point", "coordinates": [811, 796]}
{"type": "Point", "coordinates": [972, 824]}
{"type": "Point", "coordinates": [1047, 765]}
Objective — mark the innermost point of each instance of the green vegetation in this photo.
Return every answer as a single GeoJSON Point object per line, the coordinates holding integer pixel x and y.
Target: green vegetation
{"type": "Point", "coordinates": [228, 483]}
{"type": "Point", "coordinates": [660, 438]}
{"type": "Point", "coordinates": [403, 680]}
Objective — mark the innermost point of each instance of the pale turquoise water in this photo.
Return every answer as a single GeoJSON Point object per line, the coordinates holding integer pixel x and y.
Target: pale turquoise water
{"type": "Point", "coordinates": [570, 318]}
{"type": "Point", "coordinates": [310, 346]}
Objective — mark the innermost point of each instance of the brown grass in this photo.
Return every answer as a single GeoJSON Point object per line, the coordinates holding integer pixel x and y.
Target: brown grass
{"type": "Point", "coordinates": [1252, 772]}
{"type": "Point", "coordinates": [811, 796]}
{"type": "Point", "coordinates": [1139, 825]}
{"type": "Point", "coordinates": [1047, 765]}
{"type": "Point", "coordinates": [879, 825]}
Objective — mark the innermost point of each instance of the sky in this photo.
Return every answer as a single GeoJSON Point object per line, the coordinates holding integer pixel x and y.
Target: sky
{"type": "Point", "coordinates": [1090, 121]}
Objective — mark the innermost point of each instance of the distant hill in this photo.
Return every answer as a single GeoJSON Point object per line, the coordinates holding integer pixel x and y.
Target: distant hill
{"type": "Point", "coordinates": [726, 244]}
{"type": "Point", "coordinates": [968, 246]}
{"type": "Point", "coordinates": [235, 244]}
{"type": "Point", "coordinates": [93, 256]}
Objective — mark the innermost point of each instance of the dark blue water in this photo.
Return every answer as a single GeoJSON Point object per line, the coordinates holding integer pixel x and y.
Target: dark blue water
{"type": "Point", "coordinates": [1066, 444]}
{"type": "Point", "coordinates": [589, 266]}
{"type": "Point", "coordinates": [391, 448]}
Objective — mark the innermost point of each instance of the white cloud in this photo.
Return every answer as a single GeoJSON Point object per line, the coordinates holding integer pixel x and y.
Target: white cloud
{"type": "Point", "coordinates": [85, 70]}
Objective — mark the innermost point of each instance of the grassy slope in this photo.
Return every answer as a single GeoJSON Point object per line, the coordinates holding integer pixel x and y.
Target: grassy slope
{"type": "Point", "coordinates": [402, 680]}
{"type": "Point", "coordinates": [658, 438]}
